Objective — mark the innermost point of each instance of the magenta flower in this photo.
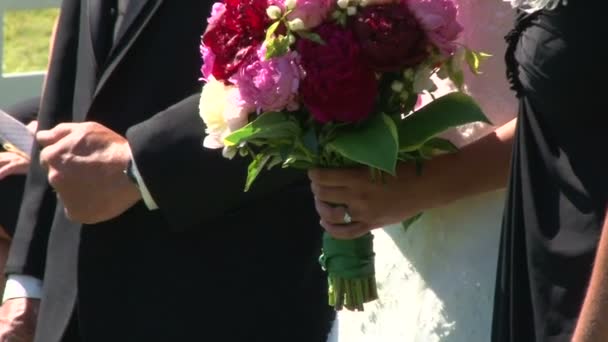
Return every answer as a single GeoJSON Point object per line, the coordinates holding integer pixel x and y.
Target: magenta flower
{"type": "Point", "coordinates": [270, 85]}
{"type": "Point", "coordinates": [208, 60]}
{"type": "Point", "coordinates": [339, 85]}
{"type": "Point", "coordinates": [438, 17]}
{"type": "Point", "coordinates": [235, 29]}
{"type": "Point", "coordinates": [217, 11]}
{"type": "Point", "coordinates": [390, 36]}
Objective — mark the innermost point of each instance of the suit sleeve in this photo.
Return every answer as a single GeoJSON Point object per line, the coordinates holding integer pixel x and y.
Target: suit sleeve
{"type": "Point", "coordinates": [29, 244]}
{"type": "Point", "coordinates": [192, 184]}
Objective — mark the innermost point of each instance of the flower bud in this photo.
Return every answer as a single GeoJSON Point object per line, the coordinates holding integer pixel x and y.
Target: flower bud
{"type": "Point", "coordinates": [408, 74]}
{"type": "Point", "coordinates": [351, 10]}
{"type": "Point", "coordinates": [229, 152]}
{"type": "Point", "coordinates": [397, 86]}
{"type": "Point", "coordinates": [290, 4]}
{"type": "Point", "coordinates": [273, 12]}
{"type": "Point", "coordinates": [291, 38]}
{"type": "Point", "coordinates": [296, 25]}
{"type": "Point", "coordinates": [343, 4]}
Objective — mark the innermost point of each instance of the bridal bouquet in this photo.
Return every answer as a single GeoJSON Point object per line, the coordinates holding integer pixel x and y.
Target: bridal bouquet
{"type": "Point", "coordinates": [326, 83]}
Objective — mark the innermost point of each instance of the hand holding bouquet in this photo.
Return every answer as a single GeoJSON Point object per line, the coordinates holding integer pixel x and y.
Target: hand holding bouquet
{"type": "Point", "coordinates": [325, 83]}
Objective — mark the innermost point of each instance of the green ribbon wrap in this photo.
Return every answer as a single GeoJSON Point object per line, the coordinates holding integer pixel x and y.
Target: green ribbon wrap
{"type": "Point", "coordinates": [350, 270]}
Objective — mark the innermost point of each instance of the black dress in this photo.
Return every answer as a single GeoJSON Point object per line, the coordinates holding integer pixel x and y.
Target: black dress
{"type": "Point", "coordinates": [558, 189]}
{"type": "Point", "coordinates": [11, 188]}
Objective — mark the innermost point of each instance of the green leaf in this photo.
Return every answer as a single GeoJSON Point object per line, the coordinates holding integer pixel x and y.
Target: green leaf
{"type": "Point", "coordinates": [311, 36]}
{"type": "Point", "coordinates": [474, 60]}
{"type": "Point", "coordinates": [410, 221]}
{"type": "Point", "coordinates": [457, 76]}
{"type": "Point", "coordinates": [440, 145]}
{"type": "Point", "coordinates": [454, 68]}
{"type": "Point", "coordinates": [274, 161]}
{"type": "Point", "coordinates": [271, 125]}
{"type": "Point", "coordinates": [373, 143]}
{"type": "Point", "coordinates": [277, 46]}
{"type": "Point", "coordinates": [255, 167]}
{"type": "Point", "coordinates": [451, 110]}
{"type": "Point", "coordinates": [310, 142]}
{"type": "Point", "coordinates": [271, 30]}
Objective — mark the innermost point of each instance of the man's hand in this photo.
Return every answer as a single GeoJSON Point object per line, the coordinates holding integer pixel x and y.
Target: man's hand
{"type": "Point", "coordinates": [18, 319]}
{"type": "Point", "coordinates": [86, 163]}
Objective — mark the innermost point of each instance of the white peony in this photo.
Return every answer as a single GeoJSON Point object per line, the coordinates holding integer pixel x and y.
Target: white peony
{"type": "Point", "coordinates": [223, 112]}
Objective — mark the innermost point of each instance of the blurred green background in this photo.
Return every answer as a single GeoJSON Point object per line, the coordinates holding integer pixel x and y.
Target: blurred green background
{"type": "Point", "coordinates": [26, 39]}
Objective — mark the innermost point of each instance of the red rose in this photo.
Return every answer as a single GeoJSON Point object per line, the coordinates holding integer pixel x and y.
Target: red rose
{"type": "Point", "coordinates": [391, 37]}
{"type": "Point", "coordinates": [339, 85]}
{"type": "Point", "coordinates": [234, 36]}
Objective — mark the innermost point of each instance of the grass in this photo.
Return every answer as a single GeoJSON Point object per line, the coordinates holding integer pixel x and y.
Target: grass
{"type": "Point", "coordinates": [26, 39]}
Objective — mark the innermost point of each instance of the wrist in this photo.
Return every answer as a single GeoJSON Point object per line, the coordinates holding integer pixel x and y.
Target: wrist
{"type": "Point", "coordinates": [435, 181]}
{"type": "Point", "coordinates": [129, 179]}
{"type": "Point", "coordinates": [134, 176]}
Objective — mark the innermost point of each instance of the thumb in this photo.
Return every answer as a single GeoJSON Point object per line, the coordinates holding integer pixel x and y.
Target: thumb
{"type": "Point", "coordinates": [50, 137]}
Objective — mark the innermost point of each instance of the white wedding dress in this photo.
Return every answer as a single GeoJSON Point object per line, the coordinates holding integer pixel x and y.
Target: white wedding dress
{"type": "Point", "coordinates": [436, 280]}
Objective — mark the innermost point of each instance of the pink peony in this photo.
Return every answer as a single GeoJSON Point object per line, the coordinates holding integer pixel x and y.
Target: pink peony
{"type": "Point", "coordinates": [438, 17]}
{"type": "Point", "coordinates": [217, 11]}
{"type": "Point", "coordinates": [208, 60]}
{"type": "Point", "coordinates": [339, 85]}
{"type": "Point", "coordinates": [311, 12]}
{"type": "Point", "coordinates": [270, 85]}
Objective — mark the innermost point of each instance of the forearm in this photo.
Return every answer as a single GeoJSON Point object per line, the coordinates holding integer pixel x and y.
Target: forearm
{"type": "Point", "coordinates": [177, 169]}
{"type": "Point", "coordinates": [592, 325]}
{"type": "Point", "coordinates": [480, 167]}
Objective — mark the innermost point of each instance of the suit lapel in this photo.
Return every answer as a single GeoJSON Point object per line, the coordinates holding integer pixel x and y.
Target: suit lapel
{"type": "Point", "coordinates": [137, 16]}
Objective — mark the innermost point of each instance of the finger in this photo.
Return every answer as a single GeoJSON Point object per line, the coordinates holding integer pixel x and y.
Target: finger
{"type": "Point", "coordinates": [50, 156]}
{"type": "Point", "coordinates": [55, 179]}
{"type": "Point", "coordinates": [50, 137]}
{"type": "Point", "coordinates": [5, 170]}
{"type": "Point", "coordinates": [345, 231]}
{"type": "Point", "coordinates": [12, 168]}
{"type": "Point", "coordinates": [331, 214]}
{"type": "Point", "coordinates": [329, 194]}
{"type": "Point", "coordinates": [337, 177]}
{"type": "Point", "coordinates": [32, 126]}
{"type": "Point", "coordinates": [6, 157]}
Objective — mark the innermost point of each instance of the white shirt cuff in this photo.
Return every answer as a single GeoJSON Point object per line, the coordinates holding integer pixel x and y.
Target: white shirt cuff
{"type": "Point", "coordinates": [22, 286]}
{"type": "Point", "coordinates": [145, 194]}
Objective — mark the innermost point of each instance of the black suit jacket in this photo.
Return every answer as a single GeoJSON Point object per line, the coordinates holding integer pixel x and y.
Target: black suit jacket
{"type": "Point", "coordinates": [214, 263]}
{"type": "Point", "coordinates": [11, 188]}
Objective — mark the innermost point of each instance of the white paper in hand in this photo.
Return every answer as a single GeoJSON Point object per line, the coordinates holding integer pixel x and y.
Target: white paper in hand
{"type": "Point", "coordinates": [15, 133]}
